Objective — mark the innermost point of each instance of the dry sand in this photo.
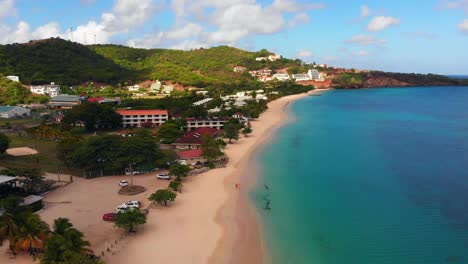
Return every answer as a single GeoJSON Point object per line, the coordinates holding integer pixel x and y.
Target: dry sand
{"type": "Point", "coordinates": [210, 222]}
{"type": "Point", "coordinates": [23, 151]}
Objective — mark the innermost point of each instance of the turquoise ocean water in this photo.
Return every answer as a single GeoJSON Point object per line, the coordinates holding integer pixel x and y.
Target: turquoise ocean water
{"type": "Point", "coordinates": [369, 176]}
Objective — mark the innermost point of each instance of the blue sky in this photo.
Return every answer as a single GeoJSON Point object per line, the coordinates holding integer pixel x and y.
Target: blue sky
{"type": "Point", "coordinates": [400, 35]}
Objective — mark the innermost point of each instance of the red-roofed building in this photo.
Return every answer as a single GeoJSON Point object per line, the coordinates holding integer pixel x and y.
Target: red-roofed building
{"type": "Point", "coordinates": [134, 118]}
{"type": "Point", "coordinates": [193, 138]}
{"type": "Point", "coordinates": [191, 157]}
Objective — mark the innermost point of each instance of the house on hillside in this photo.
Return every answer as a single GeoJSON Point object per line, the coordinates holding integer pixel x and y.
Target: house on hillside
{"type": "Point", "coordinates": [65, 101]}
{"type": "Point", "coordinates": [300, 77]}
{"type": "Point", "coordinates": [239, 69]}
{"type": "Point", "coordinates": [193, 139]}
{"type": "Point", "coordinates": [135, 118]}
{"type": "Point", "coordinates": [261, 59]}
{"type": "Point", "coordinates": [203, 102]}
{"type": "Point", "coordinates": [155, 87]}
{"type": "Point", "coordinates": [13, 78]}
{"type": "Point", "coordinates": [274, 57]}
{"type": "Point", "coordinates": [167, 89]}
{"type": "Point", "coordinates": [14, 112]}
{"type": "Point", "coordinates": [134, 88]}
{"type": "Point", "coordinates": [51, 89]}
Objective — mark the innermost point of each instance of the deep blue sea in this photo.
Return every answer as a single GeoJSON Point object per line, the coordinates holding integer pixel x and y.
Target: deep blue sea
{"type": "Point", "coordinates": [370, 176]}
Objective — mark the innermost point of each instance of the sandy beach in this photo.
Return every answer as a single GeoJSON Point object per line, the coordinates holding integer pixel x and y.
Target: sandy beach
{"type": "Point", "coordinates": [210, 221]}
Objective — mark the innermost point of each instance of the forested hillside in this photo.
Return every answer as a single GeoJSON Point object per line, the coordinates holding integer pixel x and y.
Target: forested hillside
{"type": "Point", "coordinates": [13, 93]}
{"type": "Point", "coordinates": [60, 61]}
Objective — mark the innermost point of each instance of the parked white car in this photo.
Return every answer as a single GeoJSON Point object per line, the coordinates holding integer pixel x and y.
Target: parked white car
{"type": "Point", "coordinates": [123, 183]}
{"type": "Point", "coordinates": [163, 176]}
{"type": "Point", "coordinates": [133, 204]}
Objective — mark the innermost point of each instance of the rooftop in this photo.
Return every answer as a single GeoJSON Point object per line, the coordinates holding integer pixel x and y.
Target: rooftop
{"type": "Point", "coordinates": [142, 112]}
{"type": "Point", "coordinates": [65, 98]}
{"type": "Point", "coordinates": [32, 199]}
{"type": "Point", "coordinates": [5, 179]}
{"type": "Point", "coordinates": [195, 136]}
{"type": "Point", "coordinates": [190, 154]}
{"type": "Point", "coordinates": [7, 108]}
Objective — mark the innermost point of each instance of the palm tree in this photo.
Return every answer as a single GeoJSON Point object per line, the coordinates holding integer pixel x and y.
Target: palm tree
{"type": "Point", "coordinates": [20, 226]}
{"type": "Point", "coordinates": [33, 232]}
{"type": "Point", "coordinates": [64, 244]}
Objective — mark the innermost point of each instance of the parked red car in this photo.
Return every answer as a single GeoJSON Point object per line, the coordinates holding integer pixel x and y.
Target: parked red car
{"type": "Point", "coordinates": [108, 217]}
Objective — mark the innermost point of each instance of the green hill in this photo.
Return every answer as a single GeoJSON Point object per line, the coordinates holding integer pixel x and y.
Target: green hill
{"type": "Point", "coordinates": [13, 93]}
{"type": "Point", "coordinates": [60, 61]}
{"type": "Point", "coordinates": [70, 63]}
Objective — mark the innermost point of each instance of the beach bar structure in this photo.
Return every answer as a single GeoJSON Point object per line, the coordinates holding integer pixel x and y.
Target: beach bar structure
{"type": "Point", "coordinates": [7, 185]}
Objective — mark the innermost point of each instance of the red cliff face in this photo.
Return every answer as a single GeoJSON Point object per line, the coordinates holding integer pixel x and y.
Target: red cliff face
{"type": "Point", "coordinates": [383, 82]}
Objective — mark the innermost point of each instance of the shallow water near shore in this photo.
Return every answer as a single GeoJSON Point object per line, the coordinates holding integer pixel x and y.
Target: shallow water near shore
{"type": "Point", "coordinates": [368, 176]}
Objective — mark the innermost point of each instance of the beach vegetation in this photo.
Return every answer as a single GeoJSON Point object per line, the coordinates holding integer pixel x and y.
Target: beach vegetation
{"type": "Point", "coordinates": [130, 219]}
{"type": "Point", "coordinates": [20, 226]}
{"type": "Point", "coordinates": [246, 131]}
{"type": "Point", "coordinates": [4, 143]}
{"type": "Point", "coordinates": [176, 186]}
{"type": "Point", "coordinates": [162, 197]}
{"type": "Point", "coordinates": [211, 148]}
{"type": "Point", "coordinates": [231, 131]}
{"type": "Point", "coordinates": [65, 244]}
{"type": "Point", "coordinates": [179, 170]}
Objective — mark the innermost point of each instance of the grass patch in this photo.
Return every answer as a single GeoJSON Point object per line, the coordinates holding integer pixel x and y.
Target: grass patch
{"type": "Point", "coordinates": [46, 160]}
{"type": "Point", "coordinates": [132, 190]}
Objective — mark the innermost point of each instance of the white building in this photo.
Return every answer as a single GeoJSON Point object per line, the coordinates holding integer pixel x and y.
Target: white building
{"type": "Point", "coordinates": [167, 89]}
{"type": "Point", "coordinates": [155, 87]}
{"type": "Point", "coordinates": [274, 57]}
{"type": "Point", "coordinates": [217, 123]}
{"type": "Point", "coordinates": [14, 111]}
{"type": "Point", "coordinates": [300, 77]}
{"type": "Point", "coordinates": [261, 59]}
{"type": "Point", "coordinates": [239, 69]}
{"type": "Point", "coordinates": [134, 118]}
{"type": "Point", "coordinates": [281, 76]}
{"type": "Point", "coordinates": [133, 88]}
{"type": "Point", "coordinates": [313, 75]}
{"type": "Point", "coordinates": [13, 78]}
{"type": "Point", "coordinates": [202, 102]}
{"type": "Point", "coordinates": [51, 90]}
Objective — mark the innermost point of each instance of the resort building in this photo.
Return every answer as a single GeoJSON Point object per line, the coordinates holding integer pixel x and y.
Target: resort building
{"type": "Point", "coordinates": [216, 123]}
{"type": "Point", "coordinates": [13, 78]}
{"type": "Point", "coordinates": [193, 139]}
{"type": "Point", "coordinates": [313, 75]}
{"type": "Point", "coordinates": [261, 59]}
{"type": "Point", "coordinates": [14, 112]}
{"type": "Point", "coordinates": [65, 101]}
{"type": "Point", "coordinates": [300, 77]}
{"type": "Point", "coordinates": [134, 118]}
{"type": "Point", "coordinates": [281, 76]}
{"type": "Point", "coordinates": [50, 90]}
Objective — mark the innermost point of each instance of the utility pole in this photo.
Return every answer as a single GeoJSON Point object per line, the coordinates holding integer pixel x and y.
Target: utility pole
{"type": "Point", "coordinates": [71, 33]}
{"type": "Point", "coordinates": [131, 175]}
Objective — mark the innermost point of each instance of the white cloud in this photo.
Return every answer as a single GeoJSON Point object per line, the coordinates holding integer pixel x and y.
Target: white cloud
{"type": "Point", "coordinates": [125, 15]}
{"type": "Point", "coordinates": [463, 26]}
{"type": "Point", "coordinates": [458, 4]}
{"type": "Point", "coordinates": [202, 23]}
{"type": "Point", "coordinates": [380, 23]}
{"type": "Point", "coordinates": [7, 8]}
{"type": "Point", "coordinates": [361, 53]}
{"type": "Point", "coordinates": [304, 54]}
{"type": "Point", "coordinates": [365, 11]}
{"type": "Point", "coordinates": [365, 40]}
